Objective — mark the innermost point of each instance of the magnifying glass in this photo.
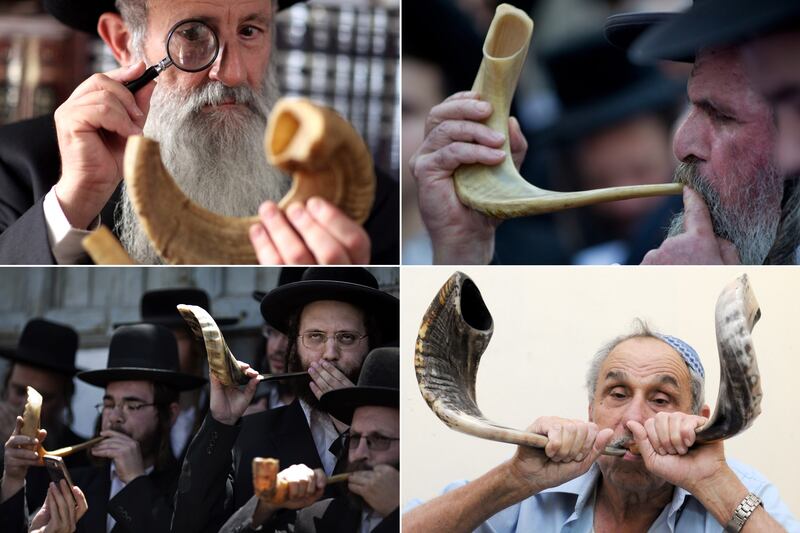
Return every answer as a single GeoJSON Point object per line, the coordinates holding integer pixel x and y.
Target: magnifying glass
{"type": "Point", "coordinates": [192, 46]}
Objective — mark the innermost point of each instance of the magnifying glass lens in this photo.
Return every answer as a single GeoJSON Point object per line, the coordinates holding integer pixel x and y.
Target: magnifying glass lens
{"type": "Point", "coordinates": [192, 46]}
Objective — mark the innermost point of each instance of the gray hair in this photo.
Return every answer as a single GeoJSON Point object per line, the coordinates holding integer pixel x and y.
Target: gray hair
{"type": "Point", "coordinates": [134, 15]}
{"type": "Point", "coordinates": [639, 329]}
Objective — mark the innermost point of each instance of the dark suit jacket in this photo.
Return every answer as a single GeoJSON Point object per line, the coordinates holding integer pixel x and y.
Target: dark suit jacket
{"type": "Point", "coordinates": [30, 165]}
{"type": "Point", "coordinates": [143, 506]}
{"type": "Point", "coordinates": [214, 483]}
{"type": "Point", "coordinates": [324, 516]}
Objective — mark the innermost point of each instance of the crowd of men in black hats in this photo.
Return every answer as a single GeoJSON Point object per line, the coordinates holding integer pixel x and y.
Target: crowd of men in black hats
{"type": "Point", "coordinates": [169, 431]}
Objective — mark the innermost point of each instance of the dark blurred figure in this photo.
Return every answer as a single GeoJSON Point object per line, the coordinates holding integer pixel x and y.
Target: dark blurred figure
{"type": "Point", "coordinates": [271, 357]}
{"type": "Point", "coordinates": [614, 130]}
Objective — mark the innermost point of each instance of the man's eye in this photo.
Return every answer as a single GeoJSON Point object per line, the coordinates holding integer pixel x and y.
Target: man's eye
{"type": "Point", "coordinates": [315, 336]}
{"type": "Point", "coordinates": [617, 395]}
{"type": "Point", "coordinates": [249, 31]}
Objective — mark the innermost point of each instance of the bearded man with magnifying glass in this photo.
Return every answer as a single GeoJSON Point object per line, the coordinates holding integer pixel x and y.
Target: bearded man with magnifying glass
{"type": "Point", "coordinates": [210, 125]}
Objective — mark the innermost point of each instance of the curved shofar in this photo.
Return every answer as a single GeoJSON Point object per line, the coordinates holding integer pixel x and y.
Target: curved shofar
{"type": "Point", "coordinates": [321, 150]}
{"type": "Point", "coordinates": [500, 191]}
{"type": "Point", "coordinates": [221, 361]}
{"type": "Point", "coordinates": [458, 326]}
{"type": "Point", "coordinates": [31, 419]}
{"type": "Point", "coordinates": [104, 248]}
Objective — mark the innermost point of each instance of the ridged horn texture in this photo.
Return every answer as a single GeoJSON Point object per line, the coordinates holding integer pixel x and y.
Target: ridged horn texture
{"type": "Point", "coordinates": [324, 154]}
{"type": "Point", "coordinates": [321, 150]}
{"type": "Point", "coordinates": [739, 398]}
{"type": "Point", "coordinates": [500, 191]}
{"type": "Point", "coordinates": [221, 361]}
{"type": "Point", "coordinates": [31, 415]}
{"type": "Point", "coordinates": [457, 327]}
{"type": "Point", "coordinates": [265, 481]}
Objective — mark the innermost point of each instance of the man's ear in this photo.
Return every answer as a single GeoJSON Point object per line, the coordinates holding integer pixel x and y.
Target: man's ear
{"type": "Point", "coordinates": [174, 410]}
{"type": "Point", "coordinates": [705, 411]}
{"type": "Point", "coordinates": [115, 34]}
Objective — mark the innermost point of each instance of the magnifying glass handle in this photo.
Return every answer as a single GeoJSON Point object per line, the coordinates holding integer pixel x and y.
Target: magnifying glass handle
{"type": "Point", "coordinates": [149, 75]}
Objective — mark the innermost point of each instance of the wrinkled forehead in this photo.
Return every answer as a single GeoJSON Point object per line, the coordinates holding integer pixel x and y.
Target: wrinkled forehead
{"type": "Point", "coordinates": [333, 313]}
{"type": "Point", "coordinates": [645, 360]}
{"type": "Point", "coordinates": [376, 419]}
{"type": "Point", "coordinates": [217, 13]}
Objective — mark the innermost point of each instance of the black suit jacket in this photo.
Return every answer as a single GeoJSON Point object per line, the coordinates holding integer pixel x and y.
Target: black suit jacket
{"type": "Point", "coordinates": [30, 164]}
{"type": "Point", "coordinates": [216, 476]}
{"type": "Point", "coordinates": [325, 516]}
{"type": "Point", "coordinates": [143, 506]}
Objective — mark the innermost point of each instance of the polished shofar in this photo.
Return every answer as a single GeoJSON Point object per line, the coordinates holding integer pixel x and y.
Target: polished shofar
{"type": "Point", "coordinates": [321, 150]}
{"type": "Point", "coordinates": [499, 191]}
{"type": "Point", "coordinates": [457, 328]}
{"type": "Point", "coordinates": [269, 488]}
{"type": "Point", "coordinates": [221, 361]}
{"type": "Point", "coordinates": [105, 249]}
{"type": "Point", "coordinates": [31, 416]}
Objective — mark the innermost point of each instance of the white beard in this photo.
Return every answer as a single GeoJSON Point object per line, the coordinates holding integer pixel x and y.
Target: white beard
{"type": "Point", "coordinates": [749, 220]}
{"type": "Point", "coordinates": [216, 157]}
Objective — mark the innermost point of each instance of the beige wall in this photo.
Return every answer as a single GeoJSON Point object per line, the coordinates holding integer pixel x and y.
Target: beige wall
{"type": "Point", "coordinates": [548, 323]}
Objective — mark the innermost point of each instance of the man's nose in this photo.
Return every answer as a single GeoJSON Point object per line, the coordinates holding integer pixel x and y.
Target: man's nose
{"type": "Point", "coordinates": [331, 352]}
{"type": "Point", "coordinates": [637, 410]}
{"type": "Point", "coordinates": [692, 139]}
{"type": "Point", "coordinates": [229, 67]}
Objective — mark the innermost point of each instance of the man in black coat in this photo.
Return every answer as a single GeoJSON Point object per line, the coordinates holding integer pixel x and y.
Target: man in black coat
{"type": "Point", "coordinates": [372, 408]}
{"type": "Point", "coordinates": [131, 489]}
{"type": "Point", "coordinates": [210, 126]}
{"type": "Point", "coordinates": [332, 317]}
{"type": "Point", "coordinates": [44, 359]}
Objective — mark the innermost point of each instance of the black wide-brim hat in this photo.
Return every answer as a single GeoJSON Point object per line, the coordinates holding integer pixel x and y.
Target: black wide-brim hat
{"type": "Point", "coordinates": [354, 285]}
{"type": "Point", "coordinates": [378, 385]}
{"type": "Point", "coordinates": [623, 29]}
{"type": "Point", "coordinates": [287, 275]}
{"type": "Point", "coordinates": [598, 87]}
{"type": "Point", "coordinates": [160, 306]}
{"type": "Point", "coordinates": [48, 345]}
{"type": "Point", "coordinates": [83, 14]}
{"type": "Point", "coordinates": [713, 23]}
{"type": "Point", "coordinates": [146, 352]}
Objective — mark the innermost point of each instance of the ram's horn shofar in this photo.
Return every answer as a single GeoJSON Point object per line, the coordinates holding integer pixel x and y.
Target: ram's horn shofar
{"type": "Point", "coordinates": [499, 191]}
{"type": "Point", "coordinates": [457, 328]}
{"type": "Point", "coordinates": [318, 147]}
{"type": "Point", "coordinates": [221, 361]}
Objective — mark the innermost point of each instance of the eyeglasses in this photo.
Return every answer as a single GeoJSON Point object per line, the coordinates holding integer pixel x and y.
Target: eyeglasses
{"type": "Point", "coordinates": [127, 406]}
{"type": "Point", "coordinates": [314, 340]}
{"type": "Point", "coordinates": [375, 443]}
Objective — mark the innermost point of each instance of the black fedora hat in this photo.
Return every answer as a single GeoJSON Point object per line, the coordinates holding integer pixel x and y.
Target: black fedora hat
{"type": "Point", "coordinates": [378, 385]}
{"type": "Point", "coordinates": [47, 345]}
{"type": "Point", "coordinates": [599, 87]}
{"type": "Point", "coordinates": [83, 14]}
{"type": "Point", "coordinates": [713, 23]}
{"type": "Point", "coordinates": [146, 352]}
{"type": "Point", "coordinates": [623, 29]}
{"type": "Point", "coordinates": [287, 275]}
{"type": "Point", "coordinates": [160, 307]}
{"type": "Point", "coordinates": [354, 285]}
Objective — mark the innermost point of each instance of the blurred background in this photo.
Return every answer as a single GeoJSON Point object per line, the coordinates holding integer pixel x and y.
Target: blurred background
{"type": "Point", "coordinates": [344, 53]}
{"type": "Point", "coordinates": [592, 119]}
{"type": "Point", "coordinates": [94, 300]}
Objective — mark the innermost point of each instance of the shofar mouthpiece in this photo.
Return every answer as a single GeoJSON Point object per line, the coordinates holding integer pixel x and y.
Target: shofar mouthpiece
{"type": "Point", "coordinates": [31, 415]}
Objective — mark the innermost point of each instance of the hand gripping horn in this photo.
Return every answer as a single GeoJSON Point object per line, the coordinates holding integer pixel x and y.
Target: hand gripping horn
{"type": "Point", "coordinates": [318, 147]}
{"type": "Point", "coordinates": [457, 328]}
{"type": "Point", "coordinates": [31, 416]}
{"type": "Point", "coordinates": [499, 191]}
{"type": "Point", "coordinates": [221, 361]}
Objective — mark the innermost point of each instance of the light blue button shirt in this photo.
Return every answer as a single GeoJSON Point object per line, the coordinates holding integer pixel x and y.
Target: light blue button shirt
{"type": "Point", "coordinates": [569, 508]}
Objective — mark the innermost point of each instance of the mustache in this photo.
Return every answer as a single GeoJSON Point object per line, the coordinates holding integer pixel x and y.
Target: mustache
{"type": "Point", "coordinates": [216, 92]}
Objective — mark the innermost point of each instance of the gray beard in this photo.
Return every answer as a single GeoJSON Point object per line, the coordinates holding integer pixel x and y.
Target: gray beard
{"type": "Point", "coordinates": [749, 220]}
{"type": "Point", "coordinates": [216, 157]}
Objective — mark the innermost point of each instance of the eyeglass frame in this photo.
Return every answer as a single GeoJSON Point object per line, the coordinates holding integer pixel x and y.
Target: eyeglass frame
{"type": "Point", "coordinates": [337, 342]}
{"type": "Point", "coordinates": [349, 440]}
{"type": "Point", "coordinates": [124, 406]}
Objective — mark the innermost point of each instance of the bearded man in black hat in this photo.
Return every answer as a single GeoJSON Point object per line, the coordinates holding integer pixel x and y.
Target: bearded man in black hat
{"type": "Point", "coordinates": [371, 499]}
{"type": "Point", "coordinates": [132, 490]}
{"type": "Point", "coordinates": [210, 126]}
{"type": "Point", "coordinates": [159, 306]}
{"type": "Point", "coordinates": [332, 317]}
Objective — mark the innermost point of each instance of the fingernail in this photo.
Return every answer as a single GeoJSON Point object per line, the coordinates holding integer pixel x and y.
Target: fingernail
{"type": "Point", "coordinates": [314, 205]}
{"type": "Point", "coordinates": [498, 153]}
{"type": "Point", "coordinates": [483, 106]}
{"type": "Point", "coordinates": [133, 67]}
{"type": "Point", "coordinates": [269, 210]}
{"type": "Point", "coordinates": [687, 442]}
{"type": "Point", "coordinates": [497, 136]}
{"type": "Point", "coordinates": [579, 457]}
{"type": "Point", "coordinates": [297, 214]}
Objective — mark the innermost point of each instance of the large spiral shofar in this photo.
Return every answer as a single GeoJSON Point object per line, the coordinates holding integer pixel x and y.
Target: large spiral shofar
{"type": "Point", "coordinates": [221, 361]}
{"type": "Point", "coordinates": [31, 416]}
{"type": "Point", "coordinates": [318, 147]}
{"type": "Point", "coordinates": [499, 191]}
{"type": "Point", "coordinates": [457, 328]}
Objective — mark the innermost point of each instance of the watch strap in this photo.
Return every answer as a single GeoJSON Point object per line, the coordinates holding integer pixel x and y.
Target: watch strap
{"type": "Point", "coordinates": [742, 513]}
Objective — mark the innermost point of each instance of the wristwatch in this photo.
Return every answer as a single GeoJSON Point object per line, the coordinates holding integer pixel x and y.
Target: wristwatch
{"type": "Point", "coordinates": [742, 513]}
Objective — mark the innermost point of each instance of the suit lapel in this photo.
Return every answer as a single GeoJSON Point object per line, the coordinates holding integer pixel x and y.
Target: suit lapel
{"type": "Point", "coordinates": [96, 485]}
